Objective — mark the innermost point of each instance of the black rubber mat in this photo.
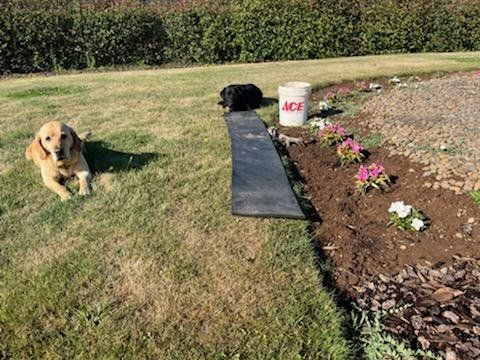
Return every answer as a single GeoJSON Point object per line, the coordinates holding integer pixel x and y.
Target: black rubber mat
{"type": "Point", "coordinates": [260, 185]}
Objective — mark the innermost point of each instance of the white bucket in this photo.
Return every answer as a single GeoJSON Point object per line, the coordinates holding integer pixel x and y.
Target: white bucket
{"type": "Point", "coordinates": [293, 103]}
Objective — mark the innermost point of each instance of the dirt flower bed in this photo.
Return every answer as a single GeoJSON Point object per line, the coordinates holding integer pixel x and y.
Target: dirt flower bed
{"type": "Point", "coordinates": [430, 278]}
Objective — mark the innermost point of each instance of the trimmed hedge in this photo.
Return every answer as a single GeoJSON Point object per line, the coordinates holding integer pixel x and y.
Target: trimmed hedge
{"type": "Point", "coordinates": [42, 40]}
{"type": "Point", "coordinates": [36, 39]}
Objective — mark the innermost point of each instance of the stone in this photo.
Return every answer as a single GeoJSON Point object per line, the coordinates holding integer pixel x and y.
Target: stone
{"type": "Point", "coordinates": [450, 355]}
{"type": "Point", "coordinates": [467, 229]}
{"type": "Point", "coordinates": [445, 185]}
{"type": "Point", "coordinates": [471, 220]}
{"type": "Point", "coordinates": [471, 167]}
{"type": "Point", "coordinates": [455, 189]}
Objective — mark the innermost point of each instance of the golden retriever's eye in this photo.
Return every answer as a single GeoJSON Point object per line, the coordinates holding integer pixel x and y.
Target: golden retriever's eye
{"type": "Point", "coordinates": [63, 136]}
{"type": "Point", "coordinates": [47, 138]}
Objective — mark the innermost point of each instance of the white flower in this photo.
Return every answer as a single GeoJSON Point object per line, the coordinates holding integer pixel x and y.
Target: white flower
{"type": "Point", "coordinates": [394, 80]}
{"type": "Point", "coordinates": [417, 224]}
{"type": "Point", "coordinates": [400, 208]}
{"type": "Point", "coordinates": [404, 212]}
{"type": "Point", "coordinates": [324, 106]}
{"type": "Point", "coordinates": [394, 206]}
{"type": "Point", "coordinates": [375, 86]}
{"type": "Point", "coordinates": [319, 123]}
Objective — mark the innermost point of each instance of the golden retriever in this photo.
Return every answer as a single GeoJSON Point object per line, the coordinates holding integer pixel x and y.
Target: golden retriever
{"type": "Point", "coordinates": [58, 152]}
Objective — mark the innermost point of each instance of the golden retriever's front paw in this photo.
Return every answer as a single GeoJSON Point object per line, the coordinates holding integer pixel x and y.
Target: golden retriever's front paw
{"type": "Point", "coordinates": [84, 192]}
{"type": "Point", "coordinates": [66, 196]}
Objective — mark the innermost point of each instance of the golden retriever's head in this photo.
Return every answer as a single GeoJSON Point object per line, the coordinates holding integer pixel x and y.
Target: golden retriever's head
{"type": "Point", "coordinates": [57, 140]}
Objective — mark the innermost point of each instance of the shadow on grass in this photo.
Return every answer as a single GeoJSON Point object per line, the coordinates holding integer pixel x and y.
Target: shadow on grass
{"type": "Point", "coordinates": [45, 91]}
{"type": "Point", "coordinates": [268, 101]}
{"type": "Point", "coordinates": [102, 159]}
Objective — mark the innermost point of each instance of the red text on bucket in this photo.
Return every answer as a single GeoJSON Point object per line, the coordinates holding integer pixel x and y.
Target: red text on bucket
{"type": "Point", "coordinates": [293, 106]}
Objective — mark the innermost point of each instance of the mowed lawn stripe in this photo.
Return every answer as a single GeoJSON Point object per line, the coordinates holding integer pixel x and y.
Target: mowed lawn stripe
{"type": "Point", "coordinates": [153, 265]}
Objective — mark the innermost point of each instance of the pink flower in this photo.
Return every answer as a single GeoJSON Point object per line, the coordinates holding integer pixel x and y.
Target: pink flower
{"type": "Point", "coordinates": [376, 170]}
{"type": "Point", "coordinates": [477, 72]}
{"type": "Point", "coordinates": [353, 145]}
{"type": "Point", "coordinates": [334, 128]}
{"type": "Point", "coordinates": [362, 174]}
{"type": "Point", "coordinates": [350, 151]}
{"type": "Point", "coordinates": [361, 86]}
{"type": "Point", "coordinates": [344, 90]}
{"type": "Point", "coordinates": [331, 134]}
{"type": "Point", "coordinates": [372, 176]}
{"type": "Point", "coordinates": [356, 148]}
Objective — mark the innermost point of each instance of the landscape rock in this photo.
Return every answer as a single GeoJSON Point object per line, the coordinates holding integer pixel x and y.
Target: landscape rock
{"type": "Point", "coordinates": [438, 116]}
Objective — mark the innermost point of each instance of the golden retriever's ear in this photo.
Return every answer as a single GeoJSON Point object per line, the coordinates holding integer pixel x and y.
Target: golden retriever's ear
{"type": "Point", "coordinates": [36, 148]}
{"type": "Point", "coordinates": [77, 143]}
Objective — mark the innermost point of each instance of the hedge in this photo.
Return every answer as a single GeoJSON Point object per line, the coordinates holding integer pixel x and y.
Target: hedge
{"type": "Point", "coordinates": [44, 39]}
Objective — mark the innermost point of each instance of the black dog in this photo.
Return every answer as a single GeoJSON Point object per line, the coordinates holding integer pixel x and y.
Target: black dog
{"type": "Point", "coordinates": [237, 97]}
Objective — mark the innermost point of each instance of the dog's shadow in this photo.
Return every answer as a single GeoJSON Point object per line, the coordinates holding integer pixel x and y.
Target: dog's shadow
{"type": "Point", "coordinates": [325, 114]}
{"type": "Point", "coordinates": [102, 159]}
{"type": "Point", "coordinates": [268, 101]}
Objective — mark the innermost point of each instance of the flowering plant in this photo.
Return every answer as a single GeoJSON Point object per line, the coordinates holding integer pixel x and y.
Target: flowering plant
{"type": "Point", "coordinates": [331, 134]}
{"type": "Point", "coordinates": [394, 80]}
{"type": "Point", "coordinates": [406, 217]}
{"type": "Point", "coordinates": [362, 86]}
{"type": "Point", "coordinates": [375, 86]}
{"type": "Point", "coordinates": [373, 176]}
{"type": "Point", "coordinates": [324, 106]}
{"type": "Point", "coordinates": [350, 151]}
{"type": "Point", "coordinates": [344, 90]}
{"type": "Point", "coordinates": [318, 123]}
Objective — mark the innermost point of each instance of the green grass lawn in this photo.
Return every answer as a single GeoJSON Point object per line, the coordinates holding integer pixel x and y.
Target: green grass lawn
{"type": "Point", "coordinates": [153, 265]}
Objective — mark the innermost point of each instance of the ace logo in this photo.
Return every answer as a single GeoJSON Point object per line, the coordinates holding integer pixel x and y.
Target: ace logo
{"type": "Point", "coordinates": [293, 106]}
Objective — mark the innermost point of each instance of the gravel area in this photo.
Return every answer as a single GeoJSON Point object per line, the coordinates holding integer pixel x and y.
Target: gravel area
{"type": "Point", "coordinates": [436, 123]}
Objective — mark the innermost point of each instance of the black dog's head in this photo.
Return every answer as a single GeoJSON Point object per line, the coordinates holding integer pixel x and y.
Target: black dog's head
{"type": "Point", "coordinates": [230, 96]}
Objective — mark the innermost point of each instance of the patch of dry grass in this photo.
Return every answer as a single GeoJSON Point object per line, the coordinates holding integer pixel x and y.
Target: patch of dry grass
{"type": "Point", "coordinates": [56, 249]}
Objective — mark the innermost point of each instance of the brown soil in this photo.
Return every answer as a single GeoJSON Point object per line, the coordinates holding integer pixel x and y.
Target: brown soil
{"type": "Point", "coordinates": [356, 225]}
